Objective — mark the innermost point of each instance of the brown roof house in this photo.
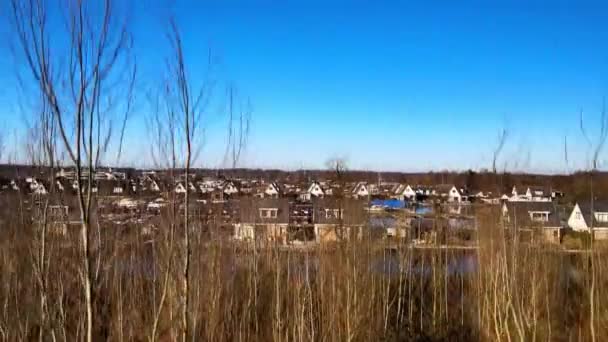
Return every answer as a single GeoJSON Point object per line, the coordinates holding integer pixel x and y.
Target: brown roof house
{"type": "Point", "coordinates": [263, 220]}
{"type": "Point", "coordinates": [583, 219]}
{"type": "Point", "coordinates": [530, 220]}
{"type": "Point", "coordinates": [338, 219]}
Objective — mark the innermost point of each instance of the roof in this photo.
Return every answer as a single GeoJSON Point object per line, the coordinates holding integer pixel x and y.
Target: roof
{"type": "Point", "coordinates": [445, 188]}
{"type": "Point", "coordinates": [519, 213]}
{"type": "Point", "coordinates": [539, 188]}
{"type": "Point", "coordinates": [598, 207]}
{"type": "Point", "coordinates": [354, 212]}
{"type": "Point", "coordinates": [250, 210]}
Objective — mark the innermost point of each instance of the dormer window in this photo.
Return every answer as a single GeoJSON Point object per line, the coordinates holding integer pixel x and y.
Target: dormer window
{"type": "Point", "coordinates": [601, 217]}
{"type": "Point", "coordinates": [539, 216]}
{"type": "Point", "coordinates": [269, 213]}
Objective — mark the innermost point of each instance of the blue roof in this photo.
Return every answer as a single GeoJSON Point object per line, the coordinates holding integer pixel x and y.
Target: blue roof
{"type": "Point", "coordinates": [389, 203]}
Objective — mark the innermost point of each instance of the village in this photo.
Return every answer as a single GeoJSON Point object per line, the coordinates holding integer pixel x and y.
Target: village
{"type": "Point", "coordinates": [308, 213]}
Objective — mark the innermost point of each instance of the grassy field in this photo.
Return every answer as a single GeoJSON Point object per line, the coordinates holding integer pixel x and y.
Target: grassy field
{"type": "Point", "coordinates": [353, 291]}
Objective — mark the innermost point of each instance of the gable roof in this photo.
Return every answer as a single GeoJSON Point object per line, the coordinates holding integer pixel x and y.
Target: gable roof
{"type": "Point", "coordinates": [598, 207]}
{"type": "Point", "coordinates": [519, 213]}
{"type": "Point", "coordinates": [249, 210]}
{"type": "Point", "coordinates": [354, 211]}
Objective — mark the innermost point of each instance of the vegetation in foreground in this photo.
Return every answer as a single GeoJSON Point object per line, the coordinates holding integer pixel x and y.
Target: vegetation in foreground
{"type": "Point", "coordinates": [351, 291]}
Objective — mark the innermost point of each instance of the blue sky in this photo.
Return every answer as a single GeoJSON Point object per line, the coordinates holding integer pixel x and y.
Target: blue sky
{"type": "Point", "coordinates": [392, 86]}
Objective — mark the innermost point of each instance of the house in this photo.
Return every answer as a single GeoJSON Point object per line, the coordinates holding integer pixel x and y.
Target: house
{"type": "Point", "coordinates": [62, 185]}
{"type": "Point", "coordinates": [388, 189]}
{"type": "Point", "coordinates": [538, 194]}
{"type": "Point", "coordinates": [451, 193]}
{"type": "Point", "coordinates": [583, 219]}
{"type": "Point", "coordinates": [180, 188]}
{"type": "Point", "coordinates": [207, 186]}
{"type": "Point", "coordinates": [112, 187]}
{"type": "Point", "coordinates": [263, 220]}
{"type": "Point", "coordinates": [36, 186]}
{"type": "Point", "coordinates": [315, 190]}
{"type": "Point", "coordinates": [532, 194]}
{"type": "Point", "coordinates": [229, 188]}
{"type": "Point", "coordinates": [272, 190]}
{"type": "Point", "coordinates": [361, 190]}
{"type": "Point", "coordinates": [533, 219]}
{"type": "Point", "coordinates": [338, 219]}
{"type": "Point", "coordinates": [405, 192]}
{"type": "Point", "coordinates": [59, 216]}
{"type": "Point", "coordinates": [149, 183]}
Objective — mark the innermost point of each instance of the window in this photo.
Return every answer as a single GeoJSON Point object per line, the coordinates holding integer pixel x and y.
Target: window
{"type": "Point", "coordinates": [539, 216]}
{"type": "Point", "coordinates": [578, 215]}
{"type": "Point", "coordinates": [601, 217]}
{"type": "Point", "coordinates": [269, 213]}
{"type": "Point", "coordinates": [334, 213]}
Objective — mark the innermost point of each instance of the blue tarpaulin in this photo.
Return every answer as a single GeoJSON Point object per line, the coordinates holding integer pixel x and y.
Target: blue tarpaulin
{"type": "Point", "coordinates": [389, 203]}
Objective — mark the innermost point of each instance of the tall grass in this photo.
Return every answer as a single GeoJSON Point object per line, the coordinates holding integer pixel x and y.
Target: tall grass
{"type": "Point", "coordinates": [351, 291]}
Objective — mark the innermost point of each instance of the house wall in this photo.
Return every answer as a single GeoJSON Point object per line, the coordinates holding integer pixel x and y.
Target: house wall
{"type": "Point", "coordinates": [576, 220]}
{"type": "Point", "coordinates": [408, 193]}
{"type": "Point", "coordinates": [396, 232]}
{"type": "Point", "coordinates": [244, 231]}
{"type": "Point", "coordinates": [552, 235]}
{"type": "Point", "coordinates": [266, 232]}
{"type": "Point", "coordinates": [454, 195]}
{"type": "Point", "coordinates": [600, 234]}
{"type": "Point", "coordinates": [329, 232]}
{"type": "Point", "coordinates": [315, 190]}
{"type": "Point", "coordinates": [272, 232]}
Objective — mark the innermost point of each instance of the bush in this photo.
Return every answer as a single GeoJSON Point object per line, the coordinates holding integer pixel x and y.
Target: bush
{"type": "Point", "coordinates": [576, 240]}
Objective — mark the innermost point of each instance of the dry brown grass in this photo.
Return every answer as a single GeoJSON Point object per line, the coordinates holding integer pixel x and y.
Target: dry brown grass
{"type": "Point", "coordinates": [356, 291]}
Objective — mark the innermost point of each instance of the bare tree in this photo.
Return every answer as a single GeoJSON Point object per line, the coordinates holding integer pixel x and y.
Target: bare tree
{"type": "Point", "coordinates": [79, 68]}
{"type": "Point", "coordinates": [595, 149]}
{"type": "Point", "coordinates": [2, 145]}
{"type": "Point", "coordinates": [500, 144]}
{"type": "Point", "coordinates": [338, 166]}
{"type": "Point", "coordinates": [239, 121]}
{"type": "Point", "coordinates": [188, 105]}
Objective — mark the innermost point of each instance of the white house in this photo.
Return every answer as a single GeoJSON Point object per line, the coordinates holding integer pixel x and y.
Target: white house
{"type": "Point", "coordinates": [538, 194]}
{"type": "Point", "coordinates": [206, 186]}
{"type": "Point", "coordinates": [582, 219]}
{"type": "Point", "coordinates": [154, 186]}
{"type": "Point", "coordinates": [180, 188]}
{"type": "Point", "coordinates": [406, 192]}
{"type": "Point", "coordinates": [455, 195]}
{"type": "Point", "coordinates": [229, 188]}
{"type": "Point", "coordinates": [532, 194]}
{"type": "Point", "coordinates": [451, 193]}
{"type": "Point", "coordinates": [360, 190]}
{"type": "Point", "coordinates": [314, 190]}
{"type": "Point", "coordinates": [272, 190]}
{"type": "Point", "coordinates": [39, 189]}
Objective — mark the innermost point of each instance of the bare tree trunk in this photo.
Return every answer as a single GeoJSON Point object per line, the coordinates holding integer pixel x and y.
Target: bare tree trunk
{"type": "Point", "coordinates": [73, 76]}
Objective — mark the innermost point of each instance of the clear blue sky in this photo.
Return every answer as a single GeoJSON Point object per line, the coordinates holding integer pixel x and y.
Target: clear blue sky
{"type": "Point", "coordinates": [392, 86]}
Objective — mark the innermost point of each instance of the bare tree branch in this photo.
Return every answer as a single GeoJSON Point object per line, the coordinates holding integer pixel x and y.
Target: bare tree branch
{"type": "Point", "coordinates": [501, 140]}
